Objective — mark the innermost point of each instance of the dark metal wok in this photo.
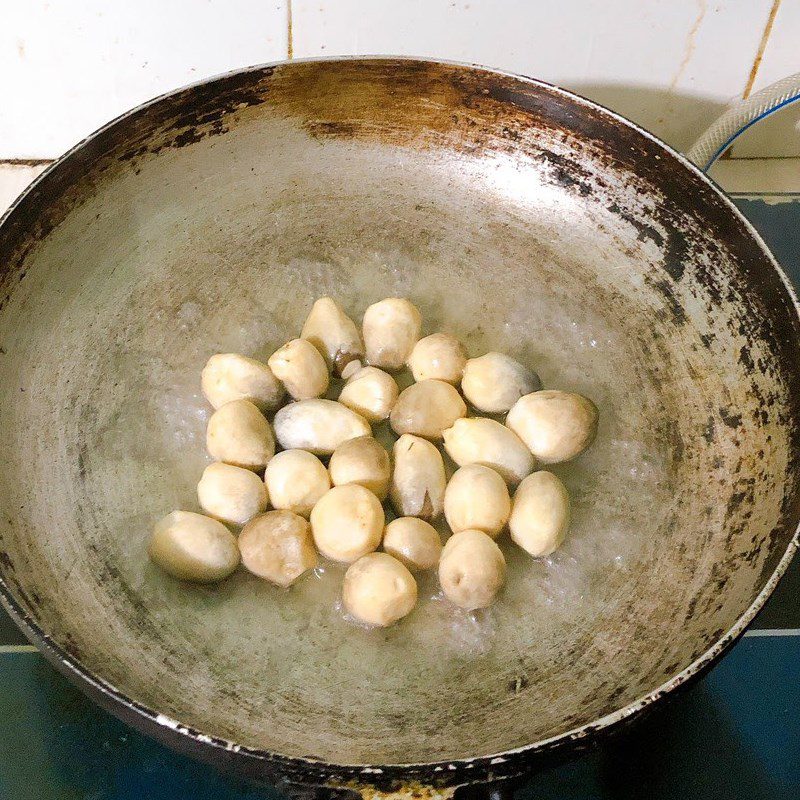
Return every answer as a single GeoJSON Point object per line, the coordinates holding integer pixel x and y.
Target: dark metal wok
{"type": "Point", "coordinates": [521, 218]}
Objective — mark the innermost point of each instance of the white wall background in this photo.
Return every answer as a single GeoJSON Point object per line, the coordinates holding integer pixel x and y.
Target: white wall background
{"type": "Point", "coordinates": [68, 66]}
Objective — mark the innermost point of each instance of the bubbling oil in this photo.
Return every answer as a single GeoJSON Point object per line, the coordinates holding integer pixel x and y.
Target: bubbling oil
{"type": "Point", "coordinates": [607, 532]}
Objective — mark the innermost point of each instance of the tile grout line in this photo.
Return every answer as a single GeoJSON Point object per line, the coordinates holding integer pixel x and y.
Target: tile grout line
{"type": "Point", "coordinates": [289, 32]}
{"type": "Point", "coordinates": [689, 47]}
{"type": "Point", "coordinates": [764, 158]}
{"type": "Point", "coordinates": [762, 47]}
{"type": "Point", "coordinates": [25, 162]}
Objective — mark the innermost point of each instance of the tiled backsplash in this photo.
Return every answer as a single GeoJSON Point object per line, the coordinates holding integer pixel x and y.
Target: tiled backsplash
{"type": "Point", "coordinates": [780, 134]}
{"type": "Point", "coordinates": [660, 64]}
{"type": "Point", "coordinates": [67, 67]}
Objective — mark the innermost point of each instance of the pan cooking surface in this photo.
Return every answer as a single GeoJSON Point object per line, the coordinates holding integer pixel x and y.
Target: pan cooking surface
{"type": "Point", "coordinates": [514, 222]}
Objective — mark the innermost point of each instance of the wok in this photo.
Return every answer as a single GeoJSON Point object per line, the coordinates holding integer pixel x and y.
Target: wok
{"type": "Point", "coordinates": [521, 218]}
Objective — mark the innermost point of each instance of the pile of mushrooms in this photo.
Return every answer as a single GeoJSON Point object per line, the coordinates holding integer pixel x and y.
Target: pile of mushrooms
{"type": "Point", "coordinates": [336, 510]}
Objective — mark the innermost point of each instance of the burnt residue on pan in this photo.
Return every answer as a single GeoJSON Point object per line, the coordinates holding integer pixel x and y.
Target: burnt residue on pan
{"type": "Point", "coordinates": [479, 193]}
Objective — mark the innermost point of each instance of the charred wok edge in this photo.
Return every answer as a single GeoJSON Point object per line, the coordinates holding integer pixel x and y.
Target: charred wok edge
{"type": "Point", "coordinates": [188, 115]}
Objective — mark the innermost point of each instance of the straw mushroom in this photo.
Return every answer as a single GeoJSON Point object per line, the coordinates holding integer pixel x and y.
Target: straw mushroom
{"type": "Point", "coordinates": [418, 480]}
{"type": "Point", "coordinates": [193, 547]}
{"type": "Point", "coordinates": [231, 494]}
{"type": "Point", "coordinates": [556, 426]}
{"type": "Point", "coordinates": [371, 392]}
{"type": "Point", "coordinates": [230, 376]}
{"type": "Point", "coordinates": [426, 409]}
{"type": "Point", "coordinates": [540, 514]}
{"type": "Point", "coordinates": [239, 434]}
{"type": "Point", "coordinates": [295, 480]}
{"type": "Point", "coordinates": [334, 334]}
{"type": "Point", "coordinates": [318, 426]}
{"type": "Point", "coordinates": [477, 498]}
{"type": "Point", "coordinates": [347, 523]}
{"type": "Point", "coordinates": [351, 368]}
{"type": "Point", "coordinates": [301, 368]}
{"type": "Point", "coordinates": [413, 542]}
{"type": "Point", "coordinates": [485, 441]}
{"type": "Point", "coordinates": [364, 461]}
{"type": "Point", "coordinates": [277, 546]}
{"type": "Point", "coordinates": [378, 590]}
{"type": "Point", "coordinates": [439, 356]}
{"type": "Point", "coordinates": [472, 569]}
{"type": "Point", "coordinates": [391, 328]}
{"type": "Point", "coordinates": [494, 382]}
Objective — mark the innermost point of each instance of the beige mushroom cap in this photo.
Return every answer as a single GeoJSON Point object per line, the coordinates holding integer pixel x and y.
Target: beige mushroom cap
{"type": "Point", "coordinates": [193, 547]}
{"type": "Point", "coordinates": [472, 569]}
{"type": "Point", "coordinates": [278, 547]}
{"type": "Point", "coordinates": [378, 590]}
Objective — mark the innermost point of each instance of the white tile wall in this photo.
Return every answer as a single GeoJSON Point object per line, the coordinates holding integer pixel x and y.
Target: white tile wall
{"type": "Point", "coordinates": [671, 66]}
{"type": "Point", "coordinates": [779, 135]}
{"type": "Point", "coordinates": [68, 66]}
{"type": "Point", "coordinates": [13, 179]}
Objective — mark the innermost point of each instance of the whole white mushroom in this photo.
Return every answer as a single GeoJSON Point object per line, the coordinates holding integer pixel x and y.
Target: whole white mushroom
{"type": "Point", "coordinates": [347, 523]}
{"type": "Point", "coordinates": [295, 480]}
{"type": "Point", "coordinates": [426, 409]}
{"type": "Point", "coordinates": [440, 357]}
{"type": "Point", "coordinates": [364, 461]}
{"type": "Point", "coordinates": [193, 547]}
{"type": "Point", "coordinates": [413, 542]}
{"type": "Point", "coordinates": [379, 590]}
{"type": "Point", "coordinates": [540, 514]}
{"type": "Point", "coordinates": [478, 440]}
{"type": "Point", "coordinates": [230, 376]}
{"type": "Point", "coordinates": [239, 434]}
{"type": "Point", "coordinates": [391, 328]}
{"type": "Point", "coordinates": [556, 426]}
{"type": "Point", "coordinates": [493, 382]}
{"type": "Point", "coordinates": [231, 494]}
{"type": "Point", "coordinates": [278, 547]}
{"type": "Point", "coordinates": [472, 569]}
{"type": "Point", "coordinates": [477, 498]}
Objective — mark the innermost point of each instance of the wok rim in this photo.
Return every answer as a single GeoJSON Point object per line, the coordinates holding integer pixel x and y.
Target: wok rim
{"type": "Point", "coordinates": [454, 771]}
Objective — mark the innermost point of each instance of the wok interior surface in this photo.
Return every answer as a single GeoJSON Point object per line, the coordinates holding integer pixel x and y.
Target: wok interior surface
{"type": "Point", "coordinates": [518, 218]}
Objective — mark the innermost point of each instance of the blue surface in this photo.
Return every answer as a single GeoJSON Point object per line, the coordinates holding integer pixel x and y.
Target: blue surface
{"type": "Point", "coordinates": [56, 745]}
{"type": "Point", "coordinates": [735, 735]}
